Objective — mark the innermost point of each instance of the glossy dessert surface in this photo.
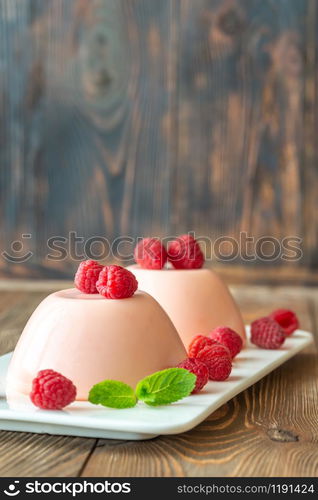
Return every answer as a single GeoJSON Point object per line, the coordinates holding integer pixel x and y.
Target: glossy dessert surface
{"type": "Point", "coordinates": [88, 339]}
{"type": "Point", "coordinates": [196, 300]}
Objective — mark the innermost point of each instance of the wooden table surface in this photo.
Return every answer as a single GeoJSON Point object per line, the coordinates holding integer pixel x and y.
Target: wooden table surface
{"type": "Point", "coordinates": [271, 429]}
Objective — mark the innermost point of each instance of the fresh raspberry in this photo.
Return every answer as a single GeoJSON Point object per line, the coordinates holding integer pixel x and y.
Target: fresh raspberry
{"type": "Point", "coordinates": [116, 282]}
{"type": "Point", "coordinates": [198, 343]}
{"type": "Point", "coordinates": [52, 391]}
{"type": "Point", "coordinates": [150, 254]}
{"type": "Point", "coordinates": [199, 369]}
{"type": "Point", "coordinates": [216, 349]}
{"type": "Point", "coordinates": [267, 333]}
{"type": "Point", "coordinates": [218, 360]}
{"type": "Point", "coordinates": [286, 319]}
{"type": "Point", "coordinates": [185, 253]}
{"type": "Point", "coordinates": [228, 337]}
{"type": "Point", "coordinates": [87, 275]}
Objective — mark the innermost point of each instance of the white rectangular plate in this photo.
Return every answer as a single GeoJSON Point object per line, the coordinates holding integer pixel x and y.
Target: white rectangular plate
{"type": "Point", "coordinates": [145, 422]}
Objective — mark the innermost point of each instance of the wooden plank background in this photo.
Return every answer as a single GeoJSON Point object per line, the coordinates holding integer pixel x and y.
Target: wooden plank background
{"type": "Point", "coordinates": [137, 117]}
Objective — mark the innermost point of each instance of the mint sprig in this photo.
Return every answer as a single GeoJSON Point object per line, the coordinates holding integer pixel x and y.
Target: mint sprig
{"type": "Point", "coordinates": [113, 394]}
{"type": "Point", "coordinates": [166, 386]}
{"type": "Point", "coordinates": [160, 388]}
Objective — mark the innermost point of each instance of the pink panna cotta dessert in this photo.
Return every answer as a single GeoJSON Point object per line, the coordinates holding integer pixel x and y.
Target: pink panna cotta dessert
{"type": "Point", "coordinates": [88, 339]}
{"type": "Point", "coordinates": [196, 300]}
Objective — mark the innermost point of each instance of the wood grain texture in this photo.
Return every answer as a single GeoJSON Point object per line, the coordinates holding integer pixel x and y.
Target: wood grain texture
{"type": "Point", "coordinates": [41, 455]}
{"type": "Point", "coordinates": [241, 77]}
{"type": "Point", "coordinates": [137, 117]}
{"type": "Point", "coordinates": [97, 95]}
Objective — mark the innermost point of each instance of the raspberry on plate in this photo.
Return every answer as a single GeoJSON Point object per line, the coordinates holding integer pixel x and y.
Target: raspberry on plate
{"type": "Point", "coordinates": [228, 337]}
{"type": "Point", "coordinates": [199, 369]}
{"type": "Point", "coordinates": [198, 343]}
{"type": "Point", "coordinates": [267, 333]}
{"type": "Point", "coordinates": [218, 360]}
{"type": "Point", "coordinates": [150, 253]}
{"type": "Point", "coordinates": [52, 391]}
{"type": "Point", "coordinates": [87, 275]}
{"type": "Point", "coordinates": [185, 253]}
{"type": "Point", "coordinates": [286, 319]}
{"type": "Point", "coordinates": [116, 282]}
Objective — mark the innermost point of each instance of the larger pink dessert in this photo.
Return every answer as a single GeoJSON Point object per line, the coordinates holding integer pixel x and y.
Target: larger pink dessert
{"type": "Point", "coordinates": [196, 300]}
{"type": "Point", "coordinates": [88, 339]}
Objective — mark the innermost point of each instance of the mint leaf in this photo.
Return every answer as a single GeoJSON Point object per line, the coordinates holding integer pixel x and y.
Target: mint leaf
{"type": "Point", "coordinates": [166, 386]}
{"type": "Point", "coordinates": [113, 394]}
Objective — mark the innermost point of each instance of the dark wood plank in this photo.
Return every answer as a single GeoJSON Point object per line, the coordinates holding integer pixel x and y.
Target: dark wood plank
{"type": "Point", "coordinates": [261, 275]}
{"type": "Point", "coordinates": [91, 113]}
{"type": "Point", "coordinates": [309, 173]}
{"type": "Point", "coordinates": [269, 430]}
{"type": "Point", "coordinates": [232, 274]}
{"type": "Point", "coordinates": [14, 317]}
{"type": "Point", "coordinates": [133, 117]}
{"type": "Point", "coordinates": [42, 455]}
{"type": "Point", "coordinates": [241, 78]}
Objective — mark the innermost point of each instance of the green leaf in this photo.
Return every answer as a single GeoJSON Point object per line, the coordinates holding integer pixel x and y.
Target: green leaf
{"type": "Point", "coordinates": [166, 386]}
{"type": "Point", "coordinates": [113, 394]}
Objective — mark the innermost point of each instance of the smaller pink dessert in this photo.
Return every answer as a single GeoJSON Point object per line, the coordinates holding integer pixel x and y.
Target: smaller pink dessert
{"type": "Point", "coordinates": [196, 300]}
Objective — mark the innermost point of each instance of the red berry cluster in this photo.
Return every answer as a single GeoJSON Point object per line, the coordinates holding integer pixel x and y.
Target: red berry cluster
{"type": "Point", "coordinates": [116, 282]}
{"type": "Point", "coordinates": [150, 253]}
{"type": "Point", "coordinates": [271, 331]}
{"type": "Point", "coordinates": [229, 338]}
{"type": "Point", "coordinates": [112, 282]}
{"type": "Point", "coordinates": [215, 352]}
{"type": "Point", "coordinates": [52, 391]}
{"type": "Point", "coordinates": [287, 319]}
{"type": "Point", "coordinates": [184, 253]}
{"type": "Point", "coordinates": [87, 275]}
{"type": "Point", "coordinates": [200, 369]}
